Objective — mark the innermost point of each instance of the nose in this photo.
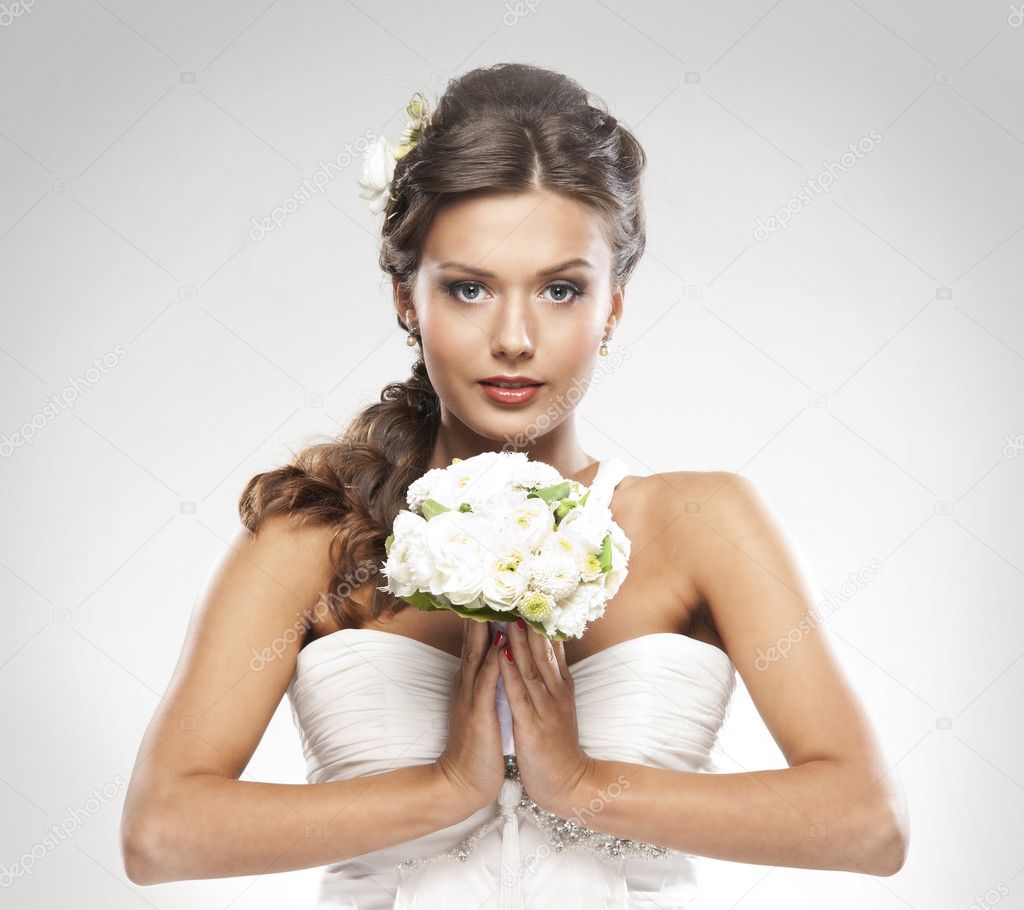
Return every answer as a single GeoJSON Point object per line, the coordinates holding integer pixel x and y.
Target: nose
{"type": "Point", "coordinates": [512, 336]}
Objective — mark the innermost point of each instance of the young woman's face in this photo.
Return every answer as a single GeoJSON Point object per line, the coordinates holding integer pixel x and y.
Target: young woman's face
{"type": "Point", "coordinates": [496, 295]}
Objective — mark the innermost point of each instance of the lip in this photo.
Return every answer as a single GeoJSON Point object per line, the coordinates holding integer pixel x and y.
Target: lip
{"type": "Point", "coordinates": [518, 378]}
{"type": "Point", "coordinates": [509, 396]}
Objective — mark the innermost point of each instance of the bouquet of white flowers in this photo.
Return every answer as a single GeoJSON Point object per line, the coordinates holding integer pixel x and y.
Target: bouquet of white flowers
{"type": "Point", "coordinates": [498, 537]}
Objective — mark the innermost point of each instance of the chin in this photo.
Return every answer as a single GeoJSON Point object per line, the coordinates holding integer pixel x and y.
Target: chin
{"type": "Point", "coordinates": [498, 427]}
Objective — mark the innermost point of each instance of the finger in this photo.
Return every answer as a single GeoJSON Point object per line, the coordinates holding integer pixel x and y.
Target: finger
{"type": "Point", "coordinates": [487, 678]}
{"type": "Point", "coordinates": [474, 649]}
{"type": "Point", "coordinates": [558, 646]}
{"type": "Point", "coordinates": [529, 672]}
{"type": "Point", "coordinates": [544, 658]}
{"type": "Point", "coordinates": [519, 698]}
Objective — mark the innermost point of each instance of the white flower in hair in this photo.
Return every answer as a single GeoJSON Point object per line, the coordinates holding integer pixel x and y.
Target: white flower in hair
{"type": "Point", "coordinates": [378, 170]}
{"type": "Point", "coordinates": [381, 156]}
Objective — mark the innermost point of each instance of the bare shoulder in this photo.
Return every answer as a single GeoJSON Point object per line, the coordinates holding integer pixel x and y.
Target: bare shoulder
{"type": "Point", "coordinates": [683, 506]}
{"type": "Point", "coordinates": [691, 527]}
{"type": "Point", "coordinates": [716, 517]}
{"type": "Point", "coordinates": [286, 551]}
{"type": "Point", "coordinates": [706, 493]}
{"type": "Point", "coordinates": [661, 514]}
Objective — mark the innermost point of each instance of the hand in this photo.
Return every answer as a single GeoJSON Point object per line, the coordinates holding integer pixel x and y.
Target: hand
{"type": "Point", "coordinates": [472, 761]}
{"type": "Point", "coordinates": [542, 695]}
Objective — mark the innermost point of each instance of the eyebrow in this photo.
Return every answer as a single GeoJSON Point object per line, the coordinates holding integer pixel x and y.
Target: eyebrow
{"type": "Point", "coordinates": [482, 273]}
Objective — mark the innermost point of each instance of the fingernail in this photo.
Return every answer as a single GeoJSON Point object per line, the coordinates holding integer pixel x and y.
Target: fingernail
{"type": "Point", "coordinates": [508, 654]}
{"type": "Point", "coordinates": [521, 624]}
{"type": "Point", "coordinates": [499, 637]}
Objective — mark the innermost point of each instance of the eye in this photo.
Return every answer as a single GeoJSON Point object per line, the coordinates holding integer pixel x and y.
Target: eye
{"type": "Point", "coordinates": [566, 287]}
{"type": "Point", "coordinates": [453, 290]}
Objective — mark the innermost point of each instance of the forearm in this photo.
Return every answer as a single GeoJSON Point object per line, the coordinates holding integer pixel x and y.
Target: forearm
{"type": "Point", "coordinates": [816, 815]}
{"type": "Point", "coordinates": [215, 827]}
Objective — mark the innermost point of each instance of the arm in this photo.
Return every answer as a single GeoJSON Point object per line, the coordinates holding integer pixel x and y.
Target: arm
{"type": "Point", "coordinates": [186, 814]}
{"type": "Point", "coordinates": [837, 805]}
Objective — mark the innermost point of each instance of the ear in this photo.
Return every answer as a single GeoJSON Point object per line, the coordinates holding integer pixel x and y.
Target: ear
{"type": "Point", "coordinates": [402, 302]}
{"type": "Point", "coordinates": [615, 317]}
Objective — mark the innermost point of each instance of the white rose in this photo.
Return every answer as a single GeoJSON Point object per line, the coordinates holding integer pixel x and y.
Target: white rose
{"type": "Point", "coordinates": [483, 482]}
{"type": "Point", "coordinates": [526, 524]}
{"type": "Point", "coordinates": [588, 524]}
{"type": "Point", "coordinates": [408, 566]}
{"type": "Point", "coordinates": [460, 545]}
{"type": "Point", "coordinates": [378, 169]}
{"type": "Point", "coordinates": [506, 580]}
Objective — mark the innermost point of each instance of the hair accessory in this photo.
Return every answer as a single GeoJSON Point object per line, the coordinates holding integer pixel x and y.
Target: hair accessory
{"type": "Point", "coordinates": [381, 156]}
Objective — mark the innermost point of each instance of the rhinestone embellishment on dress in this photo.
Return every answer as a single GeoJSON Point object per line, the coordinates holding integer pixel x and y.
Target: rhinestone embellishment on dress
{"type": "Point", "coordinates": [563, 835]}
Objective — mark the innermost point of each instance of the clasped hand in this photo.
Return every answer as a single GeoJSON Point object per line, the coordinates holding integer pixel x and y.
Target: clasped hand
{"type": "Point", "coordinates": [542, 698]}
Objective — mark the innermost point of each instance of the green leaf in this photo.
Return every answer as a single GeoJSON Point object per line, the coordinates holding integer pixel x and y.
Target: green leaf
{"type": "Point", "coordinates": [605, 555]}
{"type": "Point", "coordinates": [424, 600]}
{"type": "Point", "coordinates": [553, 493]}
{"type": "Point", "coordinates": [564, 509]}
{"type": "Point", "coordinates": [387, 543]}
{"type": "Point", "coordinates": [465, 507]}
{"type": "Point", "coordinates": [432, 507]}
{"type": "Point", "coordinates": [482, 613]}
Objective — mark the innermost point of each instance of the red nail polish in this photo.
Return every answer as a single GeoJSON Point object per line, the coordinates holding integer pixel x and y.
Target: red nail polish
{"type": "Point", "coordinates": [508, 654]}
{"type": "Point", "coordinates": [521, 624]}
{"type": "Point", "coordinates": [499, 637]}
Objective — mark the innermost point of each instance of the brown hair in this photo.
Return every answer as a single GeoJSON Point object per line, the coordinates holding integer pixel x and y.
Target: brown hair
{"type": "Point", "coordinates": [507, 128]}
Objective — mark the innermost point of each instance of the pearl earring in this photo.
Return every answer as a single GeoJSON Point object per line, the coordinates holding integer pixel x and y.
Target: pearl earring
{"type": "Point", "coordinates": [410, 339]}
{"type": "Point", "coordinates": [603, 350]}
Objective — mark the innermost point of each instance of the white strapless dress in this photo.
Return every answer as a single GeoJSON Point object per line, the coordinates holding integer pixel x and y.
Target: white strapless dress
{"type": "Point", "coordinates": [367, 701]}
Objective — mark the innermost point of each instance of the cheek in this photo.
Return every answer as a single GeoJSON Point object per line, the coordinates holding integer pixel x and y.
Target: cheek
{"type": "Point", "coordinates": [452, 349]}
{"type": "Point", "coordinates": [453, 340]}
{"type": "Point", "coordinates": [577, 345]}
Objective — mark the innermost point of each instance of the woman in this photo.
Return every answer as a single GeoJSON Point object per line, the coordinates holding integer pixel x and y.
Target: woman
{"type": "Point", "coordinates": [512, 222]}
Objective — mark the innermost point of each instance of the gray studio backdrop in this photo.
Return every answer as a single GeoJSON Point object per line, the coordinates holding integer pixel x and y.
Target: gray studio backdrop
{"type": "Point", "coordinates": [830, 305]}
